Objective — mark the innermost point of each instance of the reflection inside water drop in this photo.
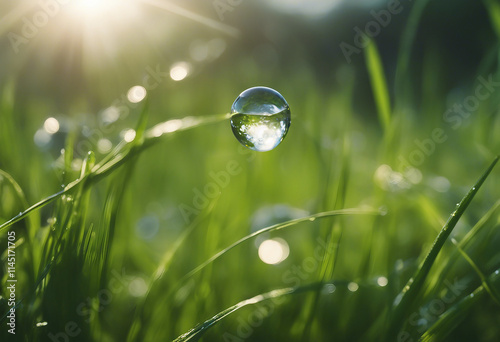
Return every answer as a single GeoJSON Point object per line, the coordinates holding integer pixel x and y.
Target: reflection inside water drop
{"type": "Point", "coordinates": [260, 118]}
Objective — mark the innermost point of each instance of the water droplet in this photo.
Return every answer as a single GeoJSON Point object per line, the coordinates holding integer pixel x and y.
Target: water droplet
{"type": "Point", "coordinates": [41, 324]}
{"type": "Point", "coordinates": [260, 118]}
{"type": "Point", "coordinates": [497, 272]}
{"type": "Point", "coordinates": [67, 198]}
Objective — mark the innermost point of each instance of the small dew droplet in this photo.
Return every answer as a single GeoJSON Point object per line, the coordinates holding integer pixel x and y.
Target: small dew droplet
{"type": "Point", "coordinates": [260, 118]}
{"type": "Point", "coordinates": [41, 324]}
{"type": "Point", "coordinates": [67, 198]}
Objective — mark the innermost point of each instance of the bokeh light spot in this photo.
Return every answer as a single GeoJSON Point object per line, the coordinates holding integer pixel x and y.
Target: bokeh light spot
{"type": "Point", "coordinates": [180, 71]}
{"type": "Point", "coordinates": [136, 94]}
{"type": "Point", "coordinates": [129, 135]}
{"type": "Point", "coordinates": [382, 281]}
{"type": "Point", "coordinates": [273, 251]}
{"type": "Point", "coordinates": [352, 286]}
{"type": "Point", "coordinates": [51, 125]}
{"type": "Point", "coordinates": [137, 287]}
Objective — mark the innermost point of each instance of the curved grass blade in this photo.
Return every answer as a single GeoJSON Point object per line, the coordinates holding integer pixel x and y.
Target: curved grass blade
{"type": "Point", "coordinates": [455, 314]}
{"type": "Point", "coordinates": [484, 280]}
{"type": "Point", "coordinates": [121, 155]}
{"type": "Point", "coordinates": [31, 227]}
{"type": "Point", "coordinates": [463, 242]}
{"type": "Point", "coordinates": [406, 298]}
{"type": "Point", "coordinates": [276, 227]}
{"type": "Point", "coordinates": [197, 332]}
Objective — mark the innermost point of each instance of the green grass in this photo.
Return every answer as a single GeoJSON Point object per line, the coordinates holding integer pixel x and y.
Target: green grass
{"type": "Point", "coordinates": [371, 255]}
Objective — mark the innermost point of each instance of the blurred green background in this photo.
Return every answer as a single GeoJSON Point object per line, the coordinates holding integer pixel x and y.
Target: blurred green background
{"type": "Point", "coordinates": [358, 139]}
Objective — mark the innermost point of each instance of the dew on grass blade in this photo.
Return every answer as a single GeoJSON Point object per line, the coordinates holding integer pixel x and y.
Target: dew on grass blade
{"type": "Point", "coordinates": [260, 118]}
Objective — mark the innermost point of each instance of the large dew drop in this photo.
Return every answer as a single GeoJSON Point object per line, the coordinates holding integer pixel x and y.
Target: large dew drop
{"type": "Point", "coordinates": [260, 118]}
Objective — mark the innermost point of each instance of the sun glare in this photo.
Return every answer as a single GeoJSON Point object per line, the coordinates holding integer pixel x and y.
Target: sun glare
{"type": "Point", "coordinates": [93, 9]}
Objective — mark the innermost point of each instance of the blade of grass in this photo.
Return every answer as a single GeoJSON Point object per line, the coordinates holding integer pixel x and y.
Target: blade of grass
{"type": "Point", "coordinates": [406, 43]}
{"type": "Point", "coordinates": [455, 314]}
{"type": "Point", "coordinates": [459, 246]}
{"type": "Point", "coordinates": [139, 321]}
{"type": "Point", "coordinates": [279, 226]}
{"type": "Point", "coordinates": [197, 332]}
{"type": "Point", "coordinates": [120, 156]}
{"type": "Point", "coordinates": [406, 298]}
{"type": "Point", "coordinates": [484, 279]}
{"type": "Point", "coordinates": [493, 9]}
{"type": "Point", "coordinates": [31, 225]}
{"type": "Point", "coordinates": [379, 85]}
{"type": "Point", "coordinates": [276, 227]}
{"type": "Point", "coordinates": [330, 254]}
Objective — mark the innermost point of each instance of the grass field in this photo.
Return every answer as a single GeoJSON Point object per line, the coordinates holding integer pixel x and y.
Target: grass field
{"type": "Point", "coordinates": [129, 219]}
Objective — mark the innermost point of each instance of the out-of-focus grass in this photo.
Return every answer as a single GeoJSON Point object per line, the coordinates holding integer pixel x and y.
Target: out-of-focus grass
{"type": "Point", "coordinates": [110, 258]}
